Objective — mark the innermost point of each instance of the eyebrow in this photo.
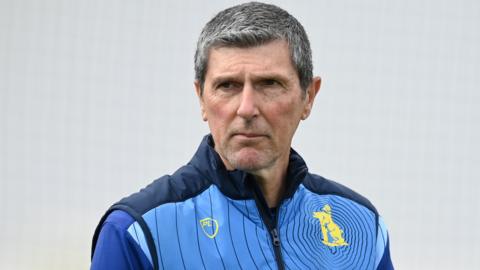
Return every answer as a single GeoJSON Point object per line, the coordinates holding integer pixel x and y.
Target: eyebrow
{"type": "Point", "coordinates": [220, 79]}
{"type": "Point", "coordinates": [267, 76]}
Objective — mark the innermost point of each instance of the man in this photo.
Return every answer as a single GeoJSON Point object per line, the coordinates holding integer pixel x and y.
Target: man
{"type": "Point", "coordinates": [246, 199]}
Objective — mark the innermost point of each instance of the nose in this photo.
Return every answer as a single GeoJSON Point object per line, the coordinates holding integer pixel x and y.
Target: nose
{"type": "Point", "coordinates": [248, 104]}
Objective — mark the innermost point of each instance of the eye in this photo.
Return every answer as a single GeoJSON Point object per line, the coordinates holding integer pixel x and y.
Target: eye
{"type": "Point", "coordinates": [270, 82]}
{"type": "Point", "coordinates": [225, 85]}
{"type": "Point", "coordinates": [271, 86]}
{"type": "Point", "coordinates": [228, 86]}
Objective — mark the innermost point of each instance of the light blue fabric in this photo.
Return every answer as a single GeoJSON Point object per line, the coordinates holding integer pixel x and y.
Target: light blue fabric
{"type": "Point", "coordinates": [242, 241]}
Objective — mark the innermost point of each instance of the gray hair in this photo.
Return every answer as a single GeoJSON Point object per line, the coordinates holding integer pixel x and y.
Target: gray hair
{"type": "Point", "coordinates": [253, 24]}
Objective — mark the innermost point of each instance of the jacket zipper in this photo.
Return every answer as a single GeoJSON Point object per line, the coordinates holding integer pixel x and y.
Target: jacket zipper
{"type": "Point", "coordinates": [276, 241]}
{"type": "Point", "coordinates": [270, 224]}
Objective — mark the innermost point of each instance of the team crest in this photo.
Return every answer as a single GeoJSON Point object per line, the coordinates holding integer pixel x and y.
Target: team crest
{"type": "Point", "coordinates": [331, 232]}
{"type": "Point", "coordinates": [209, 227]}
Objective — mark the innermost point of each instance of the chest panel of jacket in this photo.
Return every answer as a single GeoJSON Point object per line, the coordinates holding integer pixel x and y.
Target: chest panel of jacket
{"type": "Point", "coordinates": [211, 231]}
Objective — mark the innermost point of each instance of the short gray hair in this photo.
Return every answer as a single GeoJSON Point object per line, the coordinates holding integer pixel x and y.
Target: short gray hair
{"type": "Point", "coordinates": [253, 24]}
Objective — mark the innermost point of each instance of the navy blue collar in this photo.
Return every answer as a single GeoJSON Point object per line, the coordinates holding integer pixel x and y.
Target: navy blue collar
{"type": "Point", "coordinates": [239, 184]}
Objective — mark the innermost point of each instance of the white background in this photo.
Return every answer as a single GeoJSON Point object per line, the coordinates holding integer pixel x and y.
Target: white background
{"type": "Point", "coordinates": [97, 100]}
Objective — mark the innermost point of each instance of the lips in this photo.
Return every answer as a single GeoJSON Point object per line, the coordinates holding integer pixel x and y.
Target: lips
{"type": "Point", "coordinates": [248, 135]}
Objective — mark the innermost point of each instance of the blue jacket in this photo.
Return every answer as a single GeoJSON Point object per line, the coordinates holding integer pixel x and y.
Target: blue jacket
{"type": "Point", "coordinates": [205, 217]}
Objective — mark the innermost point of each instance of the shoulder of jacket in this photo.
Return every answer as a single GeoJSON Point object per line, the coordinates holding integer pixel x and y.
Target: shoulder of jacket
{"type": "Point", "coordinates": [184, 184]}
{"type": "Point", "coordinates": [322, 186]}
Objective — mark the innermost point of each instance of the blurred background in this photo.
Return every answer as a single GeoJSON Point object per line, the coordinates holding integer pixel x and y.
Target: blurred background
{"type": "Point", "coordinates": [97, 100]}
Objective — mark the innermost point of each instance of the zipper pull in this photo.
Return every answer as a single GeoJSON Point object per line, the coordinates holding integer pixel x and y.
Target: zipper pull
{"type": "Point", "coordinates": [275, 238]}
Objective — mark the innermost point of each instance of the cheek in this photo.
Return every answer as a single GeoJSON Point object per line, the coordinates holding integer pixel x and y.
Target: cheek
{"type": "Point", "coordinates": [286, 116]}
{"type": "Point", "coordinates": [218, 107]}
{"type": "Point", "coordinates": [289, 110]}
{"type": "Point", "coordinates": [218, 117]}
{"type": "Point", "coordinates": [217, 113]}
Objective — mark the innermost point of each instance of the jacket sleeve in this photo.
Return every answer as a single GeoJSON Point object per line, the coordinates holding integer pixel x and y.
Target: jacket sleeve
{"type": "Point", "coordinates": [383, 260]}
{"type": "Point", "coordinates": [116, 247]}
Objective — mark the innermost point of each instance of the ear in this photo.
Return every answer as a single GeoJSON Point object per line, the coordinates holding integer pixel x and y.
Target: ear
{"type": "Point", "coordinates": [198, 90]}
{"type": "Point", "coordinates": [310, 96]}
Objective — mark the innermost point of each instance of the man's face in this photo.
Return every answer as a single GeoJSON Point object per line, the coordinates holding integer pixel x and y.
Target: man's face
{"type": "Point", "coordinates": [253, 103]}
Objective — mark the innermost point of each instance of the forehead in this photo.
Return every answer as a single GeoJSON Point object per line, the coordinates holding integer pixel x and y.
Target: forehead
{"type": "Point", "coordinates": [269, 58]}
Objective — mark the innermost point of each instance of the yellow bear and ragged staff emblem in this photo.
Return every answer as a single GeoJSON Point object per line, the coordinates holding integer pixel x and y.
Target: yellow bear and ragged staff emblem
{"type": "Point", "coordinates": [331, 232]}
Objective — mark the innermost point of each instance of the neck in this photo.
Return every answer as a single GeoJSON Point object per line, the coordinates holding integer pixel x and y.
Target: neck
{"type": "Point", "coordinates": [272, 182]}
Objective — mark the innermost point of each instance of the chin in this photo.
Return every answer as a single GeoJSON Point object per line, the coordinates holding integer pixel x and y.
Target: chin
{"type": "Point", "coordinates": [250, 161]}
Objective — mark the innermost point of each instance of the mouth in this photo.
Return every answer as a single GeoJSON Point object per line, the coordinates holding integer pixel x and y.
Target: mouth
{"type": "Point", "coordinates": [248, 135]}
